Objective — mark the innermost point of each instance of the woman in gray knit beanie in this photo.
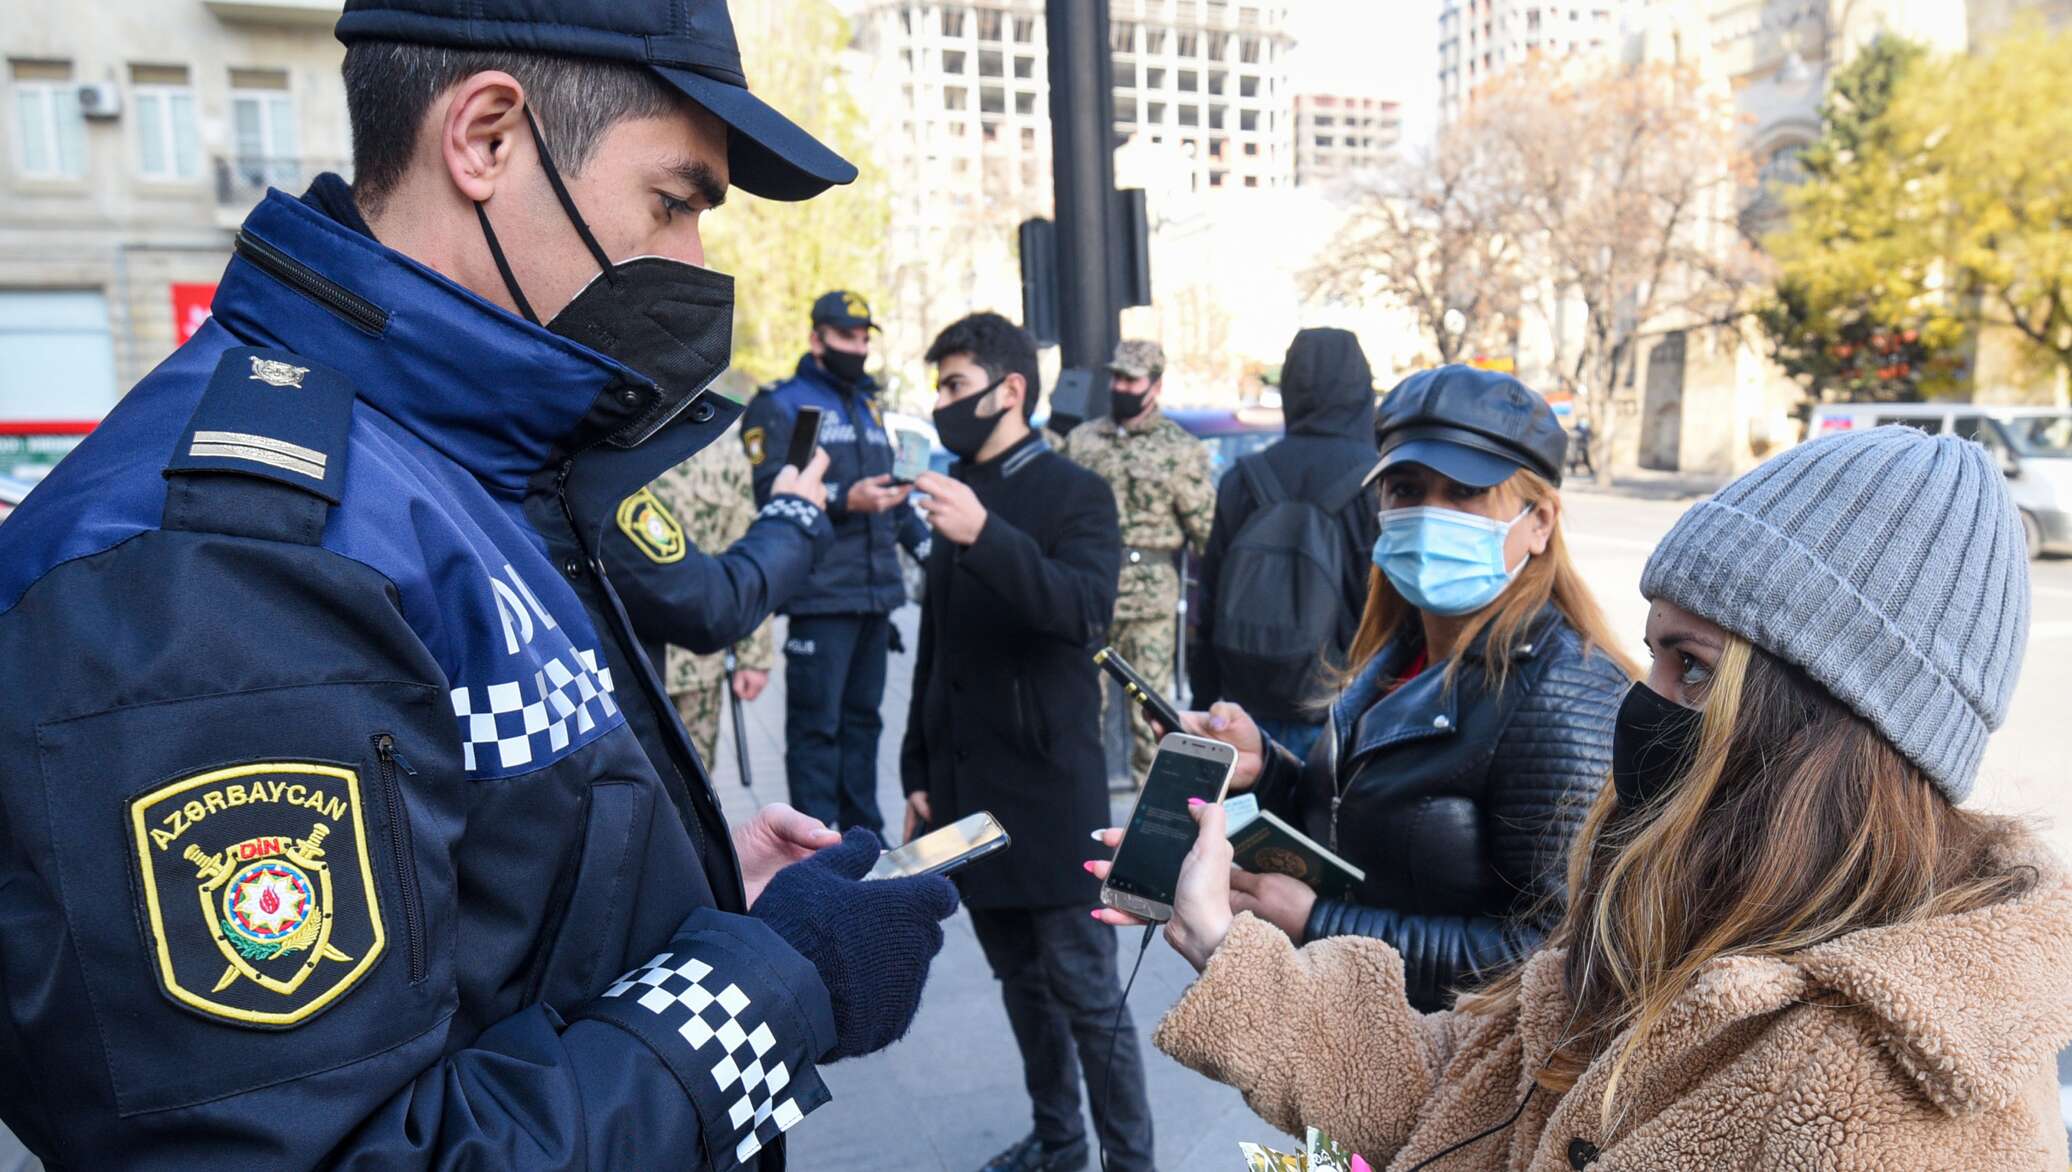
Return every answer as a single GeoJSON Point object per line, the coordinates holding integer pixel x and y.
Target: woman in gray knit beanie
{"type": "Point", "coordinates": [1787, 944]}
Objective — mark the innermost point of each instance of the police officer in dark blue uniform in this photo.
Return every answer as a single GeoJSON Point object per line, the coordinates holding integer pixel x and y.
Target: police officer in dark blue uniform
{"type": "Point", "coordinates": [841, 628]}
{"type": "Point", "coordinates": [342, 820]}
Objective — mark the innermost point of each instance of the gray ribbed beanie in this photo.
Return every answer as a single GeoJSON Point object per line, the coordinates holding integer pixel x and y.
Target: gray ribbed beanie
{"type": "Point", "coordinates": [1889, 564]}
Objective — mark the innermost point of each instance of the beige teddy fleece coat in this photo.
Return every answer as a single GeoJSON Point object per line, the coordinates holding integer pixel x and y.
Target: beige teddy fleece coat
{"type": "Point", "coordinates": [1942, 1058]}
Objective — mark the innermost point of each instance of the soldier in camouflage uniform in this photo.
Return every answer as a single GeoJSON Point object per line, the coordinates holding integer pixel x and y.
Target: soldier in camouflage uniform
{"type": "Point", "coordinates": [714, 499]}
{"type": "Point", "coordinates": [1160, 476]}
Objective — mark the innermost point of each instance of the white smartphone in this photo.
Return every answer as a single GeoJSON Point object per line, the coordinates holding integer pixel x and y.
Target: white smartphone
{"type": "Point", "coordinates": [1161, 829]}
{"type": "Point", "coordinates": [966, 840]}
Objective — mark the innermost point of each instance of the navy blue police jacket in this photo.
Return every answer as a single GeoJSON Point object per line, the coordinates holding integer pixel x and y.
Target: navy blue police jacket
{"type": "Point", "coordinates": [342, 821]}
{"type": "Point", "coordinates": [860, 573]}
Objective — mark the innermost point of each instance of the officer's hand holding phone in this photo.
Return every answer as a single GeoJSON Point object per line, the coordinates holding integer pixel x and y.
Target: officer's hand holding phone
{"type": "Point", "coordinates": [1201, 898]}
{"type": "Point", "coordinates": [806, 482]}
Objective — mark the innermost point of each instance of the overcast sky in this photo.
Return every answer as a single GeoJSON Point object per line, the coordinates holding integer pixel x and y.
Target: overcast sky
{"type": "Point", "coordinates": [1388, 47]}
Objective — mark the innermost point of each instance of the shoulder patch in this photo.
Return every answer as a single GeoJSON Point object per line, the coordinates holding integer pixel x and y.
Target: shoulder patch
{"type": "Point", "coordinates": [271, 414]}
{"type": "Point", "coordinates": [752, 443]}
{"type": "Point", "coordinates": [258, 893]}
{"type": "Point", "coordinates": [648, 524]}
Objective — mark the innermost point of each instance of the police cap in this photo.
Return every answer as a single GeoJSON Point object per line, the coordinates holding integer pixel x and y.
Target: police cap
{"type": "Point", "coordinates": [689, 43]}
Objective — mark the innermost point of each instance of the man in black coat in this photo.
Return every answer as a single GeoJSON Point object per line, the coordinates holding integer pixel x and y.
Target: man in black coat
{"type": "Point", "coordinates": [1327, 397]}
{"type": "Point", "coordinates": [1006, 718]}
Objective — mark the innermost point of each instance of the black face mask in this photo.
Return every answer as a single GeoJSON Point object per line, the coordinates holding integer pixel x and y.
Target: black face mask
{"type": "Point", "coordinates": [668, 321]}
{"type": "Point", "coordinates": [1653, 742]}
{"type": "Point", "coordinates": [1124, 406]}
{"type": "Point", "coordinates": [846, 368]}
{"type": "Point", "coordinates": [962, 429]}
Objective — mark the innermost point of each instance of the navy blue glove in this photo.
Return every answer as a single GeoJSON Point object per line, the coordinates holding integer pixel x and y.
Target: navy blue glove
{"type": "Point", "coordinates": [871, 942]}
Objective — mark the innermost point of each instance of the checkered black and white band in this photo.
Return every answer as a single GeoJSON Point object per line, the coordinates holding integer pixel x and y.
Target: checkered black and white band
{"type": "Point", "coordinates": [532, 721]}
{"type": "Point", "coordinates": [798, 512]}
{"type": "Point", "coordinates": [750, 1084]}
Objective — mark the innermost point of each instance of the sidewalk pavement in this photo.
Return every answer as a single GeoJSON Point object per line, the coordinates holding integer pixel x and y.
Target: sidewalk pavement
{"type": "Point", "coordinates": [949, 1096]}
{"type": "Point", "coordinates": [1650, 485]}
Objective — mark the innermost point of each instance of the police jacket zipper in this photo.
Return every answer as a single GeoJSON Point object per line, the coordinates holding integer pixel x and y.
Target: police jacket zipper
{"type": "Point", "coordinates": [400, 849]}
{"type": "Point", "coordinates": [355, 309]}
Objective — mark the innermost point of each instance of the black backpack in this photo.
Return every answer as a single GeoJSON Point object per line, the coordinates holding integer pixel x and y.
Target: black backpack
{"type": "Point", "coordinates": [1279, 598]}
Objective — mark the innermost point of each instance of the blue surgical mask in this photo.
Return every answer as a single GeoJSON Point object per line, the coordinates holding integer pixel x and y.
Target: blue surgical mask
{"type": "Point", "coordinates": [1443, 560]}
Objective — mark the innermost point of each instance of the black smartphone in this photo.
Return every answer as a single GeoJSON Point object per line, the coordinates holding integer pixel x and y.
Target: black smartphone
{"type": "Point", "coordinates": [1163, 716]}
{"type": "Point", "coordinates": [939, 852]}
{"type": "Point", "coordinates": [1161, 829]}
{"type": "Point", "coordinates": [805, 437]}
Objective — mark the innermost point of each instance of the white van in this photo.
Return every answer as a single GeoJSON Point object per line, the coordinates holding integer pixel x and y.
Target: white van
{"type": "Point", "coordinates": [2032, 444]}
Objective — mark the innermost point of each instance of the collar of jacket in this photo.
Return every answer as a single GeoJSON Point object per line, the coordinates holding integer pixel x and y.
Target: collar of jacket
{"type": "Point", "coordinates": [503, 398]}
{"type": "Point", "coordinates": [1428, 706]}
{"type": "Point", "coordinates": [811, 370]}
{"type": "Point", "coordinates": [1005, 464]}
{"type": "Point", "coordinates": [1963, 1004]}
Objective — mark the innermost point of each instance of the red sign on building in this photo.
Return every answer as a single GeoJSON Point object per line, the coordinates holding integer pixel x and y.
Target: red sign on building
{"type": "Point", "coordinates": [190, 309]}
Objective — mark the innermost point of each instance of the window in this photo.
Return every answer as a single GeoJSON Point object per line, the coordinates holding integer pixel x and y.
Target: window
{"type": "Point", "coordinates": [1217, 81]}
{"type": "Point", "coordinates": [168, 145]}
{"type": "Point", "coordinates": [50, 134]}
{"type": "Point", "coordinates": [1219, 46]}
{"type": "Point", "coordinates": [991, 24]}
{"type": "Point", "coordinates": [991, 63]}
{"type": "Point", "coordinates": [956, 97]}
{"type": "Point", "coordinates": [1122, 36]}
{"type": "Point", "coordinates": [1125, 75]}
{"type": "Point", "coordinates": [1248, 119]}
{"type": "Point", "coordinates": [1190, 81]}
{"type": "Point", "coordinates": [1252, 150]}
{"type": "Point", "coordinates": [1187, 45]}
{"type": "Point", "coordinates": [1216, 116]}
{"type": "Point", "coordinates": [1251, 181]}
{"type": "Point", "coordinates": [1025, 67]}
{"type": "Point", "coordinates": [1024, 103]}
{"type": "Point", "coordinates": [1125, 108]}
{"type": "Point", "coordinates": [262, 117]}
{"type": "Point", "coordinates": [1154, 40]}
{"type": "Point", "coordinates": [1189, 115]}
{"type": "Point", "coordinates": [1028, 138]}
{"type": "Point", "coordinates": [953, 61]}
{"type": "Point", "coordinates": [1154, 112]}
{"type": "Point", "coordinates": [57, 353]}
{"type": "Point", "coordinates": [953, 22]}
{"type": "Point", "coordinates": [1325, 140]}
{"type": "Point", "coordinates": [1024, 30]}
{"type": "Point", "coordinates": [1327, 120]}
{"type": "Point", "coordinates": [992, 100]}
{"type": "Point", "coordinates": [1216, 178]}
{"type": "Point", "coordinates": [1248, 50]}
{"type": "Point", "coordinates": [1154, 79]}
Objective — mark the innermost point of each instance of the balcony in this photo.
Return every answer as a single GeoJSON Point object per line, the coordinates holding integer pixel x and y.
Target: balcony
{"type": "Point", "coordinates": [242, 180]}
{"type": "Point", "coordinates": [312, 13]}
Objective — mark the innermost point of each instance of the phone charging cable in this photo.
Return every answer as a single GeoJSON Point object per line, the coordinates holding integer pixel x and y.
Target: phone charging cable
{"type": "Point", "coordinates": [1114, 1031]}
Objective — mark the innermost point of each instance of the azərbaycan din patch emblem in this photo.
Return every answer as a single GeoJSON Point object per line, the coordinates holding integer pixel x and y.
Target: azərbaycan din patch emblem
{"type": "Point", "coordinates": [257, 889]}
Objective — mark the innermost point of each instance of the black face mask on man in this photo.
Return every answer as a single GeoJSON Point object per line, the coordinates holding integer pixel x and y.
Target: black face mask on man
{"type": "Point", "coordinates": [1124, 406]}
{"type": "Point", "coordinates": [847, 368]}
{"type": "Point", "coordinates": [962, 429]}
{"type": "Point", "coordinates": [1654, 740]}
{"type": "Point", "coordinates": [671, 322]}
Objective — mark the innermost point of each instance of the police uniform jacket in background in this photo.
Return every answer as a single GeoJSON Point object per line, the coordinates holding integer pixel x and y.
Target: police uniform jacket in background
{"type": "Point", "coordinates": [860, 573]}
{"type": "Point", "coordinates": [336, 794]}
{"type": "Point", "coordinates": [1006, 695]}
{"type": "Point", "coordinates": [704, 596]}
{"type": "Point", "coordinates": [1327, 400]}
{"type": "Point", "coordinates": [1458, 802]}
{"type": "Point", "coordinates": [713, 498]}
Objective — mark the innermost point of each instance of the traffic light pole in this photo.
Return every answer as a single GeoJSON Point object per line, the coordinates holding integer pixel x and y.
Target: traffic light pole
{"type": "Point", "coordinates": [1082, 120]}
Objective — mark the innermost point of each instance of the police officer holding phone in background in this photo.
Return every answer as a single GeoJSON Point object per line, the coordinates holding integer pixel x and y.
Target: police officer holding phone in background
{"type": "Point", "coordinates": [841, 627]}
{"type": "Point", "coordinates": [342, 818]}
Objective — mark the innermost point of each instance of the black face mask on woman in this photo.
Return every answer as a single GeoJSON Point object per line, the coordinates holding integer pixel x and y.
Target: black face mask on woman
{"type": "Point", "coordinates": [1654, 740]}
{"type": "Point", "coordinates": [962, 429]}
{"type": "Point", "coordinates": [669, 321]}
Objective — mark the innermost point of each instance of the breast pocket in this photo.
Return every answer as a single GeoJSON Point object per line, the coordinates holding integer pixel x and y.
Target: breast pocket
{"type": "Point", "coordinates": [243, 885]}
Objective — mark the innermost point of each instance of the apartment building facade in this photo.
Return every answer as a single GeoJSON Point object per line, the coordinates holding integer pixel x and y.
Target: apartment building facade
{"type": "Point", "coordinates": [1480, 39]}
{"type": "Point", "coordinates": [1341, 136]}
{"type": "Point", "coordinates": [133, 139]}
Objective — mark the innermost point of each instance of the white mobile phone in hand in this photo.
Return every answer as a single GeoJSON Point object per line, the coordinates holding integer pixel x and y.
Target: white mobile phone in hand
{"type": "Point", "coordinates": [939, 852]}
{"type": "Point", "coordinates": [1161, 829]}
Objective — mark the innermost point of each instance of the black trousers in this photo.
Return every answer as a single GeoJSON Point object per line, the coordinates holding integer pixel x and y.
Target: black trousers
{"type": "Point", "coordinates": [834, 685]}
{"type": "Point", "coordinates": [1056, 968]}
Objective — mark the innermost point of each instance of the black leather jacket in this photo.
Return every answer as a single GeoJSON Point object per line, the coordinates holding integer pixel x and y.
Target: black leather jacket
{"type": "Point", "coordinates": [1458, 803]}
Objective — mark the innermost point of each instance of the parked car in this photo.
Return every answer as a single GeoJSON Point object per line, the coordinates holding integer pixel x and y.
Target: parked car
{"type": "Point", "coordinates": [1229, 433]}
{"type": "Point", "coordinates": [2032, 444]}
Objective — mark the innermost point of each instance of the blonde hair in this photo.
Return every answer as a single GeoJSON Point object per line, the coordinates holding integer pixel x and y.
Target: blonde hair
{"type": "Point", "coordinates": [1548, 577]}
{"type": "Point", "coordinates": [1795, 823]}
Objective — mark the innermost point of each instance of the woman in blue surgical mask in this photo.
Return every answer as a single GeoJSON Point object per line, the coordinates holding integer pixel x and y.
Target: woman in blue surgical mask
{"type": "Point", "coordinates": [1473, 724]}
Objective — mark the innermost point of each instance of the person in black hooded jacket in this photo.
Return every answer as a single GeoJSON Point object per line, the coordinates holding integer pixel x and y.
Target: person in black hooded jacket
{"type": "Point", "coordinates": [1327, 397]}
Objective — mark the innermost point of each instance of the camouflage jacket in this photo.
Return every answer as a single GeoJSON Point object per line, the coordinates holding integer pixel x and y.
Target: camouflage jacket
{"type": "Point", "coordinates": [1160, 476]}
{"type": "Point", "coordinates": [714, 499]}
